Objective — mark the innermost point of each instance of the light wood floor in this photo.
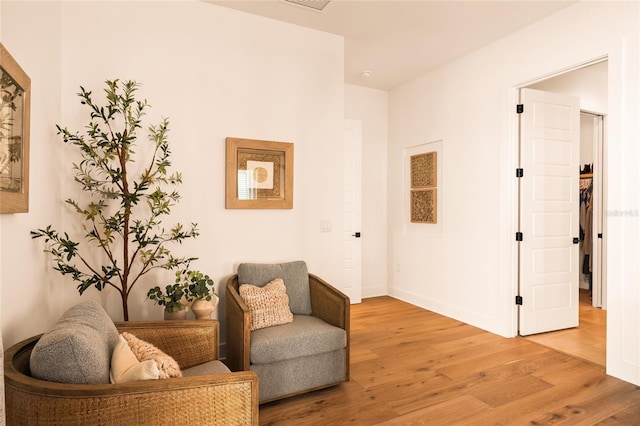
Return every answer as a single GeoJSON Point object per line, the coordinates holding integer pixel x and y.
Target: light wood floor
{"type": "Point", "coordinates": [410, 366]}
{"type": "Point", "coordinates": [587, 341]}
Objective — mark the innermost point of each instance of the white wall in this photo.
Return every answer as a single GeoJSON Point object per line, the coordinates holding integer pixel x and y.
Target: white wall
{"type": "Point", "coordinates": [370, 107]}
{"type": "Point", "coordinates": [469, 273]}
{"type": "Point", "coordinates": [214, 72]}
{"type": "Point", "coordinates": [588, 83]}
{"type": "Point", "coordinates": [31, 294]}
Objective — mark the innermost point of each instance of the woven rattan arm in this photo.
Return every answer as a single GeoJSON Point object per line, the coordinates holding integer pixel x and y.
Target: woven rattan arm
{"type": "Point", "coordinates": [334, 307]}
{"type": "Point", "coordinates": [238, 328]}
{"type": "Point", "coordinates": [189, 342]}
{"type": "Point", "coordinates": [328, 303]}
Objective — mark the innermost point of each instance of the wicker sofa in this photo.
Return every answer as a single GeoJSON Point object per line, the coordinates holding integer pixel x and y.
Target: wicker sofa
{"type": "Point", "coordinates": [213, 399]}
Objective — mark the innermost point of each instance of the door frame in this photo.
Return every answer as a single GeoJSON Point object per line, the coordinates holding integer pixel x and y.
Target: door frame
{"type": "Point", "coordinates": [599, 280]}
{"type": "Point", "coordinates": [514, 201]}
{"type": "Point", "coordinates": [349, 232]}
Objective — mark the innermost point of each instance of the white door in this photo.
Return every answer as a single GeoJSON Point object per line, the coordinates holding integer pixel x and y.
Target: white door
{"type": "Point", "coordinates": [352, 210]}
{"type": "Point", "coordinates": [549, 211]}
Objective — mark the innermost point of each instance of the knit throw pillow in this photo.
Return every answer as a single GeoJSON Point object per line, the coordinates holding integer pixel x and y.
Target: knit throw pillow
{"type": "Point", "coordinates": [167, 366]}
{"type": "Point", "coordinates": [268, 305]}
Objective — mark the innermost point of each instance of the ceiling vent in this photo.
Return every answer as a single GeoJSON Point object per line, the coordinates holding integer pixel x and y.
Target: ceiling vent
{"type": "Point", "coordinates": [311, 4]}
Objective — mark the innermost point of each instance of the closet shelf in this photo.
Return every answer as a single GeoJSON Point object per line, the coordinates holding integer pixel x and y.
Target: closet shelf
{"type": "Point", "coordinates": [586, 175]}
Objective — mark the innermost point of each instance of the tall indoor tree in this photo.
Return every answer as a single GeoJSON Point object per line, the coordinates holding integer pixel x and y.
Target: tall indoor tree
{"type": "Point", "coordinates": [123, 212]}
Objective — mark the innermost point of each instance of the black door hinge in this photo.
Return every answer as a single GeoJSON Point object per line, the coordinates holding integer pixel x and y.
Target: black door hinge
{"type": "Point", "coordinates": [519, 108]}
{"type": "Point", "coordinates": [518, 300]}
{"type": "Point", "coordinates": [600, 235]}
{"type": "Point", "coordinates": [519, 173]}
{"type": "Point", "coordinates": [518, 236]}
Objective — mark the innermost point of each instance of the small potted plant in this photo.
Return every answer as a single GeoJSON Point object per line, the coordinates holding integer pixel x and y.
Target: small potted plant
{"type": "Point", "coordinates": [174, 299]}
{"type": "Point", "coordinates": [200, 290]}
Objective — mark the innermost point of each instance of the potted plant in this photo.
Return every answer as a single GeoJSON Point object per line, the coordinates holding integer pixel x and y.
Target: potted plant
{"type": "Point", "coordinates": [200, 291]}
{"type": "Point", "coordinates": [174, 299]}
{"type": "Point", "coordinates": [125, 204]}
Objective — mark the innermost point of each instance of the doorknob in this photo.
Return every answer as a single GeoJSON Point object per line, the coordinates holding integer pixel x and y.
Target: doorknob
{"type": "Point", "coordinates": [576, 240]}
{"type": "Point", "coordinates": [357, 235]}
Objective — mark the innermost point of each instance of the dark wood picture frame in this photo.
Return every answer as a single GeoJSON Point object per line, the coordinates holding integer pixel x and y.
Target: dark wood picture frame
{"type": "Point", "coordinates": [15, 109]}
{"type": "Point", "coordinates": [259, 174]}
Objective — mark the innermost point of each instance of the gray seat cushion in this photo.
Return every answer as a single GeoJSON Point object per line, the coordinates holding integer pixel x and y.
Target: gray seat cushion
{"type": "Point", "coordinates": [78, 348]}
{"type": "Point", "coordinates": [306, 335]}
{"type": "Point", "coordinates": [211, 367]}
{"type": "Point", "coordinates": [294, 274]}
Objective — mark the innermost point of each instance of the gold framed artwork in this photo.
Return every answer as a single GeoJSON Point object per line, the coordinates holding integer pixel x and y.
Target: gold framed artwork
{"type": "Point", "coordinates": [15, 106]}
{"type": "Point", "coordinates": [259, 174]}
{"type": "Point", "coordinates": [424, 206]}
{"type": "Point", "coordinates": [424, 170]}
{"type": "Point", "coordinates": [424, 192]}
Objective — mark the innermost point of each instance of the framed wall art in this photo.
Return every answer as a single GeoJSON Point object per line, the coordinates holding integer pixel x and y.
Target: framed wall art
{"type": "Point", "coordinates": [424, 170]}
{"type": "Point", "coordinates": [259, 174]}
{"type": "Point", "coordinates": [424, 192]}
{"type": "Point", "coordinates": [424, 206]}
{"type": "Point", "coordinates": [15, 98]}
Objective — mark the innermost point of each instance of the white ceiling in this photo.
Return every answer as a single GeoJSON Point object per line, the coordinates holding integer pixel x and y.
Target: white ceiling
{"type": "Point", "coordinates": [400, 40]}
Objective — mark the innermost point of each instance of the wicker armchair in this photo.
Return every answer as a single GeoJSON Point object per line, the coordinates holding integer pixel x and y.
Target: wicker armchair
{"type": "Point", "coordinates": [220, 399]}
{"type": "Point", "coordinates": [291, 374]}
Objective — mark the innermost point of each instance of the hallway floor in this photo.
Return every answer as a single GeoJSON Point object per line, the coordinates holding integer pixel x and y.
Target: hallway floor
{"type": "Point", "coordinates": [587, 341]}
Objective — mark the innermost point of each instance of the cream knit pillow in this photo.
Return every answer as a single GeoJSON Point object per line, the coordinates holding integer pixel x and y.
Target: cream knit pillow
{"type": "Point", "coordinates": [268, 305]}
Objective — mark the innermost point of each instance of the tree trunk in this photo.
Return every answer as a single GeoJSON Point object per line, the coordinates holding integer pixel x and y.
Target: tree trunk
{"type": "Point", "coordinates": [125, 307]}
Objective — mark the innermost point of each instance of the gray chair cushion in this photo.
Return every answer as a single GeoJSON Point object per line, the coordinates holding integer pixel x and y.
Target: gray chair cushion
{"type": "Point", "coordinates": [78, 348]}
{"type": "Point", "coordinates": [211, 367]}
{"type": "Point", "coordinates": [294, 274]}
{"type": "Point", "coordinates": [306, 335]}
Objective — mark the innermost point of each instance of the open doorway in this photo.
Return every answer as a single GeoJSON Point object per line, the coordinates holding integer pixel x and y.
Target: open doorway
{"type": "Point", "coordinates": [588, 340]}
